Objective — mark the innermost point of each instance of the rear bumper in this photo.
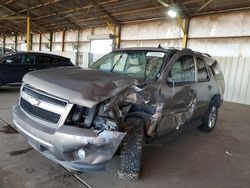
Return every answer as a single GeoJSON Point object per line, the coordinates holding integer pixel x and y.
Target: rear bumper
{"type": "Point", "coordinates": [62, 145]}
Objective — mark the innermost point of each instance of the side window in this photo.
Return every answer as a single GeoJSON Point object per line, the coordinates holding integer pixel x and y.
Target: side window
{"type": "Point", "coordinates": [61, 60]}
{"type": "Point", "coordinates": [17, 59]}
{"type": "Point", "coordinates": [202, 71]}
{"type": "Point", "coordinates": [40, 59]}
{"type": "Point", "coordinates": [49, 60]}
{"type": "Point", "coordinates": [215, 68]}
{"type": "Point", "coordinates": [29, 59]}
{"type": "Point", "coordinates": [182, 72]}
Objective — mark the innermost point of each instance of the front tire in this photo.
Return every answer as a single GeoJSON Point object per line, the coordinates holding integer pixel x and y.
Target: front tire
{"type": "Point", "coordinates": [131, 150]}
{"type": "Point", "coordinates": [210, 119]}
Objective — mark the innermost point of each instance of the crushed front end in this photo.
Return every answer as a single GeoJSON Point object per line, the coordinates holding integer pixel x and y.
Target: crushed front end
{"type": "Point", "coordinates": [66, 133]}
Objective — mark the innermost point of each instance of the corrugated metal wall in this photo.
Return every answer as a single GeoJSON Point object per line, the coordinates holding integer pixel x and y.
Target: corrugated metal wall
{"type": "Point", "coordinates": [237, 78]}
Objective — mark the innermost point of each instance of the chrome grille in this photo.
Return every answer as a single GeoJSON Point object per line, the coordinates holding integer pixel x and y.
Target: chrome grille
{"type": "Point", "coordinates": [39, 112]}
{"type": "Point", "coordinates": [43, 97]}
{"type": "Point", "coordinates": [44, 107]}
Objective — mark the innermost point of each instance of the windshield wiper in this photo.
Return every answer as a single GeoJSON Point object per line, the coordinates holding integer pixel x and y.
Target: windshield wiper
{"type": "Point", "coordinates": [118, 60]}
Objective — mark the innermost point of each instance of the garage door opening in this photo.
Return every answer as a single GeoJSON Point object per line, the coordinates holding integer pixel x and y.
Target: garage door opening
{"type": "Point", "coordinates": [100, 48]}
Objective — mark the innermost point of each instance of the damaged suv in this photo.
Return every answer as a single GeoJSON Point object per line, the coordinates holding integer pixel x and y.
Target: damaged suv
{"type": "Point", "coordinates": [80, 117]}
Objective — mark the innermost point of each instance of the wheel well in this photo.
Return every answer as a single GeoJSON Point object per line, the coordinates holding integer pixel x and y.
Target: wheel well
{"type": "Point", "coordinates": [216, 99]}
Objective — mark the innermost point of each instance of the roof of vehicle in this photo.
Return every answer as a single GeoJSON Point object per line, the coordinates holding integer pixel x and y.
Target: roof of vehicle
{"type": "Point", "coordinates": [21, 52]}
{"type": "Point", "coordinates": [165, 49]}
{"type": "Point", "coordinates": [148, 49]}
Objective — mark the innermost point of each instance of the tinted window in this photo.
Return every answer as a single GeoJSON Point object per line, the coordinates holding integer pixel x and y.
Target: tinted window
{"type": "Point", "coordinates": [61, 60]}
{"type": "Point", "coordinates": [202, 70]}
{"type": "Point", "coordinates": [183, 71]}
{"type": "Point", "coordinates": [42, 59]}
{"type": "Point", "coordinates": [49, 59]}
{"type": "Point", "coordinates": [17, 59]}
{"type": "Point", "coordinates": [28, 59]}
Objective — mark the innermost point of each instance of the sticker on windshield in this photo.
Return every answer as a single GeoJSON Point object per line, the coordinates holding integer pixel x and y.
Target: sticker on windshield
{"type": "Point", "coordinates": [155, 54]}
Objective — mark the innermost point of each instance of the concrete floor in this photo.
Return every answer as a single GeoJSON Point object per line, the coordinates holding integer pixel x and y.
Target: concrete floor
{"type": "Point", "coordinates": [192, 159]}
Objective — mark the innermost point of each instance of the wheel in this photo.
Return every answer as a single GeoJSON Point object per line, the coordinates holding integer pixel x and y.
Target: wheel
{"type": "Point", "coordinates": [131, 150]}
{"type": "Point", "coordinates": [210, 119]}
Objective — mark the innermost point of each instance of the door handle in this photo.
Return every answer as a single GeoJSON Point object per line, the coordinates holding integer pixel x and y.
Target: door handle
{"type": "Point", "coordinates": [210, 87]}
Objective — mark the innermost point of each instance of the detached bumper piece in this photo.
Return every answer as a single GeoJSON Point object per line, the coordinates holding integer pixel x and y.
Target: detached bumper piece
{"type": "Point", "coordinates": [74, 148]}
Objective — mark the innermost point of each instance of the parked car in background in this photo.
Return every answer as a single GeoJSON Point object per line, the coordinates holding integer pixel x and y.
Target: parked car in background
{"type": "Point", "coordinates": [6, 51]}
{"type": "Point", "coordinates": [13, 66]}
{"type": "Point", "coordinates": [79, 117]}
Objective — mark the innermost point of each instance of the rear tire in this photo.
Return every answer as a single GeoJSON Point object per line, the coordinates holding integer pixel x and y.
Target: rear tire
{"type": "Point", "coordinates": [131, 150]}
{"type": "Point", "coordinates": [210, 119]}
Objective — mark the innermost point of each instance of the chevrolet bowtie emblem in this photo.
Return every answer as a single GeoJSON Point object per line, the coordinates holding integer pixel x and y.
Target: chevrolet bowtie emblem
{"type": "Point", "coordinates": [34, 101]}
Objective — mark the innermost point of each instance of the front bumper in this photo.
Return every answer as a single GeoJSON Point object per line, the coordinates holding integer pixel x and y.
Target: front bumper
{"type": "Point", "coordinates": [62, 145]}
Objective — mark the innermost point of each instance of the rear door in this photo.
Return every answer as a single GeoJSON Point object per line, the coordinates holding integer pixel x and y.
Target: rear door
{"type": "Point", "coordinates": [44, 61]}
{"type": "Point", "coordinates": [179, 88]}
{"type": "Point", "coordinates": [204, 87]}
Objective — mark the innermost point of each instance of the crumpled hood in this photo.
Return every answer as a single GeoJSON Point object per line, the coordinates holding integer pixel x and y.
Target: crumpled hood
{"type": "Point", "coordinates": [80, 86]}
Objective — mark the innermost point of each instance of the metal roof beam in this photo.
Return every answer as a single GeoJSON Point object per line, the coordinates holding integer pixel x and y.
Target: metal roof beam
{"type": "Point", "coordinates": [16, 25]}
{"type": "Point", "coordinates": [115, 14]}
{"type": "Point", "coordinates": [204, 6]}
{"type": "Point", "coordinates": [100, 7]}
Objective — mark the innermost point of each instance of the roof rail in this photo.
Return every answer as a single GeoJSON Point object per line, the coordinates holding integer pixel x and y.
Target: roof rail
{"type": "Point", "coordinates": [205, 54]}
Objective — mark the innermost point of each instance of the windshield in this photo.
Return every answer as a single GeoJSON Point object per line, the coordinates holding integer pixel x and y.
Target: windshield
{"type": "Point", "coordinates": [140, 64]}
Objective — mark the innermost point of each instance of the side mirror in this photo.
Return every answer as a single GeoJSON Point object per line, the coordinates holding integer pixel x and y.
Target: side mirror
{"type": "Point", "coordinates": [9, 61]}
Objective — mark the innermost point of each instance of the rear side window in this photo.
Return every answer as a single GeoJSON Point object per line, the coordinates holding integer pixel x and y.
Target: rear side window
{"type": "Point", "coordinates": [42, 59]}
{"type": "Point", "coordinates": [215, 68]}
{"type": "Point", "coordinates": [61, 60]}
{"type": "Point", "coordinates": [49, 60]}
{"type": "Point", "coordinates": [202, 71]}
{"type": "Point", "coordinates": [182, 72]}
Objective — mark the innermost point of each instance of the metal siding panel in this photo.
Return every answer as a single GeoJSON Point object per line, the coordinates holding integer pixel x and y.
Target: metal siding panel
{"type": "Point", "coordinates": [231, 80]}
{"type": "Point", "coordinates": [238, 79]}
{"type": "Point", "coordinates": [244, 79]}
{"type": "Point", "coordinates": [236, 72]}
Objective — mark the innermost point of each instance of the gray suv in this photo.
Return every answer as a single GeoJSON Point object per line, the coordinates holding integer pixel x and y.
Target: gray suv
{"type": "Point", "coordinates": [80, 117]}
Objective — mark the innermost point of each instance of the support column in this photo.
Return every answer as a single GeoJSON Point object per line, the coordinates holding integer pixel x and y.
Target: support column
{"type": "Point", "coordinates": [77, 50]}
{"type": "Point", "coordinates": [63, 40]}
{"type": "Point", "coordinates": [118, 37]}
{"type": "Point", "coordinates": [40, 41]}
{"type": "Point", "coordinates": [31, 41]}
{"type": "Point", "coordinates": [4, 44]}
{"type": "Point", "coordinates": [28, 33]}
{"type": "Point", "coordinates": [16, 42]}
{"type": "Point", "coordinates": [50, 41]}
{"type": "Point", "coordinates": [185, 28]}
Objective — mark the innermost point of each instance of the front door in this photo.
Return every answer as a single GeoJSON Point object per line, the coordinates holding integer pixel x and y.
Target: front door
{"type": "Point", "coordinates": [180, 93]}
{"type": "Point", "coordinates": [15, 67]}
